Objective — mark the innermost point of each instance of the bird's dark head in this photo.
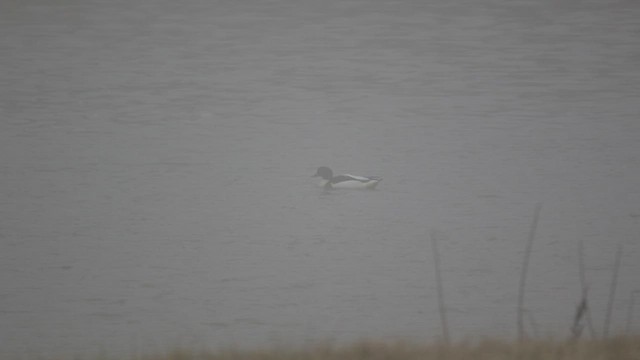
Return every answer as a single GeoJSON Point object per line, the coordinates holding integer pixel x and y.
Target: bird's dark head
{"type": "Point", "coordinates": [324, 172]}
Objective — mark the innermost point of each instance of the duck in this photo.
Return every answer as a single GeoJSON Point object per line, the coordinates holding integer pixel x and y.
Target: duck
{"type": "Point", "coordinates": [345, 181]}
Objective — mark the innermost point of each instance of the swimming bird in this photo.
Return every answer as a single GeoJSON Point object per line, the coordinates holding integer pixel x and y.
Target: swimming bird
{"type": "Point", "coordinates": [345, 181]}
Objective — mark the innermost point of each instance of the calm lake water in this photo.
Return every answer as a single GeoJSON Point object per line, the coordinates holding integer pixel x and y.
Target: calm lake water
{"type": "Point", "coordinates": [156, 162]}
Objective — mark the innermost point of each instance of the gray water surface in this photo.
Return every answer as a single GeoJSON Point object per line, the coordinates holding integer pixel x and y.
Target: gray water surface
{"type": "Point", "coordinates": [156, 157]}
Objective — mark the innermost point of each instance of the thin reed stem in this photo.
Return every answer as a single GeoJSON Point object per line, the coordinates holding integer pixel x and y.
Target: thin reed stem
{"type": "Point", "coordinates": [612, 291]}
{"type": "Point", "coordinates": [441, 307]}
{"type": "Point", "coordinates": [632, 300]}
{"type": "Point", "coordinates": [585, 289]}
{"type": "Point", "coordinates": [523, 273]}
{"type": "Point", "coordinates": [581, 309]}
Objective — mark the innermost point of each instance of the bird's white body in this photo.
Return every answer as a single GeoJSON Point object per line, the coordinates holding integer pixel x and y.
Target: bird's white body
{"type": "Point", "coordinates": [345, 181]}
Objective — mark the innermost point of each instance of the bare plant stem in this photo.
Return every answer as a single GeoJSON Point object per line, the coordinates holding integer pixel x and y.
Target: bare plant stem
{"type": "Point", "coordinates": [612, 291]}
{"type": "Point", "coordinates": [585, 289]}
{"type": "Point", "coordinates": [441, 307]}
{"type": "Point", "coordinates": [632, 300]}
{"type": "Point", "coordinates": [581, 309]}
{"type": "Point", "coordinates": [523, 273]}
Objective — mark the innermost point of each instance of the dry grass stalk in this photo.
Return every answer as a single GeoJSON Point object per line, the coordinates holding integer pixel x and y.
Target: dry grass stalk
{"type": "Point", "coordinates": [581, 310]}
{"type": "Point", "coordinates": [612, 290]}
{"type": "Point", "coordinates": [523, 273]}
{"type": "Point", "coordinates": [441, 306]}
{"type": "Point", "coordinates": [585, 289]}
{"type": "Point", "coordinates": [630, 316]}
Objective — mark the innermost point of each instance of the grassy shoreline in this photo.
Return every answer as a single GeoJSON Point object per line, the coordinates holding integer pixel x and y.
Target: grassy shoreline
{"type": "Point", "coordinates": [615, 348]}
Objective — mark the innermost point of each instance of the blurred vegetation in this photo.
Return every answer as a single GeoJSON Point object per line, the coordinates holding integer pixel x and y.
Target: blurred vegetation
{"type": "Point", "coordinates": [616, 348]}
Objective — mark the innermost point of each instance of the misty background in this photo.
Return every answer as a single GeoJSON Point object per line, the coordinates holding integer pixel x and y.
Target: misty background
{"type": "Point", "coordinates": [156, 162]}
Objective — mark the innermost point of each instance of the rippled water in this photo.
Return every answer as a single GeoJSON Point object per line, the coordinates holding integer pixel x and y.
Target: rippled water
{"type": "Point", "coordinates": [156, 161]}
